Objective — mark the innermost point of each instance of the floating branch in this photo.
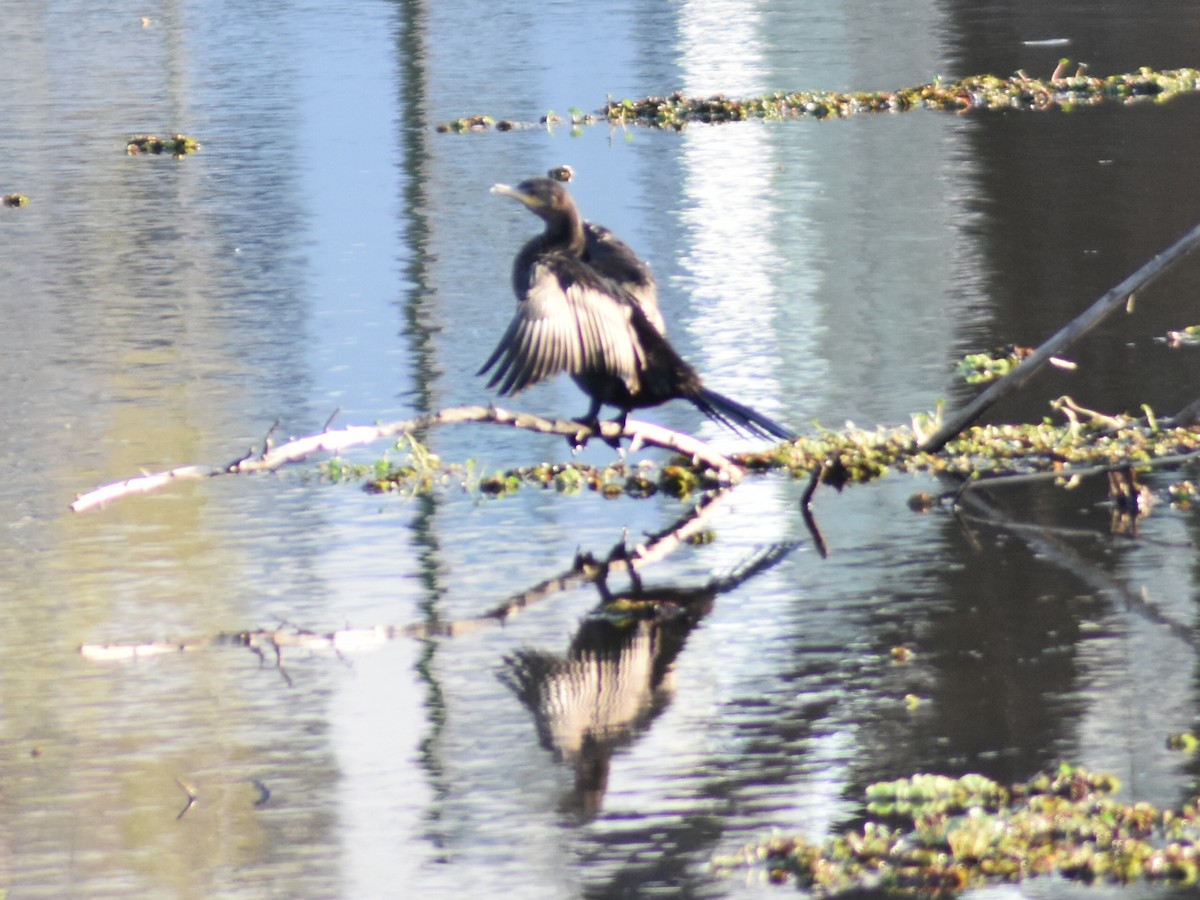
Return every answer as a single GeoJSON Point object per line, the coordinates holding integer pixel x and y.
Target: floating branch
{"type": "Point", "coordinates": [1117, 298]}
{"type": "Point", "coordinates": [988, 482]}
{"type": "Point", "coordinates": [143, 484]}
{"type": "Point", "coordinates": [272, 458]}
{"type": "Point", "coordinates": [977, 92]}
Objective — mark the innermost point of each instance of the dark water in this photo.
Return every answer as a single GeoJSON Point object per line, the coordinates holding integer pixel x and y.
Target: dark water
{"type": "Point", "coordinates": [327, 249]}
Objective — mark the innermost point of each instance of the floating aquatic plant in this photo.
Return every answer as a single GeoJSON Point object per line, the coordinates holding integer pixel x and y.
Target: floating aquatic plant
{"type": "Point", "coordinates": [1184, 337]}
{"type": "Point", "coordinates": [980, 368]}
{"type": "Point", "coordinates": [1185, 742]}
{"type": "Point", "coordinates": [1018, 91]}
{"type": "Point", "coordinates": [469, 123]}
{"type": "Point", "coordinates": [678, 479]}
{"type": "Point", "coordinates": [976, 92]}
{"type": "Point", "coordinates": [931, 835]}
{"type": "Point", "coordinates": [176, 145]}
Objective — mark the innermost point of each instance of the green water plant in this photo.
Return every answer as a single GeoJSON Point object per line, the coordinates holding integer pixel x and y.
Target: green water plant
{"type": "Point", "coordinates": [1018, 91]}
{"type": "Point", "coordinates": [176, 145]}
{"type": "Point", "coordinates": [936, 836]}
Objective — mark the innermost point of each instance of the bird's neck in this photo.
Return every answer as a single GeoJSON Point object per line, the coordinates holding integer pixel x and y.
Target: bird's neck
{"type": "Point", "coordinates": [563, 234]}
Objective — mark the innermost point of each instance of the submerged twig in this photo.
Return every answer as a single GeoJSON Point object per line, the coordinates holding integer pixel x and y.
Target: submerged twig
{"type": "Point", "coordinates": [806, 512]}
{"type": "Point", "coordinates": [191, 798]}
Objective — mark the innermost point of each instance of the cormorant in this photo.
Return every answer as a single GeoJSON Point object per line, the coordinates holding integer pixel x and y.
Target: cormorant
{"type": "Point", "coordinates": [588, 318]}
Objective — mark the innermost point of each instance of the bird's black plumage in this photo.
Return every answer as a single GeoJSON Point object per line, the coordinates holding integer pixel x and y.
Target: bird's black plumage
{"type": "Point", "coordinates": [615, 260]}
{"type": "Point", "coordinates": [587, 306]}
{"type": "Point", "coordinates": [612, 258]}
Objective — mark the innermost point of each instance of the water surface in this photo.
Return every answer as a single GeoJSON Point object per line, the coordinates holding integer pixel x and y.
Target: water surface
{"type": "Point", "coordinates": [328, 251]}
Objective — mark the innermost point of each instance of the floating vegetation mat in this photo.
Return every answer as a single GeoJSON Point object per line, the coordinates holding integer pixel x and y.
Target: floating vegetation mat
{"type": "Point", "coordinates": [424, 474]}
{"type": "Point", "coordinates": [933, 836]}
{"type": "Point", "coordinates": [977, 92]}
{"type": "Point", "coordinates": [1083, 442]}
{"type": "Point", "coordinates": [176, 145]}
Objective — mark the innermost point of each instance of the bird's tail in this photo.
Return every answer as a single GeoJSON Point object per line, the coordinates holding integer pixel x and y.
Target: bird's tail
{"type": "Point", "coordinates": [740, 418]}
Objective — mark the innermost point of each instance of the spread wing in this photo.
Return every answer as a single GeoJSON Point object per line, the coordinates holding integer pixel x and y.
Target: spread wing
{"type": "Point", "coordinates": [616, 261]}
{"type": "Point", "coordinates": [569, 320]}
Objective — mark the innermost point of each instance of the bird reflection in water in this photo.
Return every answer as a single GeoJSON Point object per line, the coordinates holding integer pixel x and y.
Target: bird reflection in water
{"type": "Point", "coordinates": [617, 675]}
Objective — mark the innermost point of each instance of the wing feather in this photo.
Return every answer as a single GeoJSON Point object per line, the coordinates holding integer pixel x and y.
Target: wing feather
{"type": "Point", "coordinates": [569, 320]}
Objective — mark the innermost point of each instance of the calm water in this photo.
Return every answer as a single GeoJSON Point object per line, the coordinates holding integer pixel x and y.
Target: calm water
{"type": "Point", "coordinates": [328, 250]}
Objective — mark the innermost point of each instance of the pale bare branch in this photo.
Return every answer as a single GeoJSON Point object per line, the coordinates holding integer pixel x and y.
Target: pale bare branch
{"type": "Point", "coordinates": [336, 441]}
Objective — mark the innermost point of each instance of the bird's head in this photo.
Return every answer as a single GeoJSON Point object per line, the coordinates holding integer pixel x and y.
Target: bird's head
{"type": "Point", "coordinates": [545, 198]}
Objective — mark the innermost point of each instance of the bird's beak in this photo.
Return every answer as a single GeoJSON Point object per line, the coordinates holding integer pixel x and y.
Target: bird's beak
{"type": "Point", "coordinates": [508, 191]}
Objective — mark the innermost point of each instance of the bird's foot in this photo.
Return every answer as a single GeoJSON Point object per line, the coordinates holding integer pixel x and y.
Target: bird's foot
{"type": "Point", "coordinates": [615, 440]}
{"type": "Point", "coordinates": [590, 427]}
{"type": "Point", "coordinates": [587, 428]}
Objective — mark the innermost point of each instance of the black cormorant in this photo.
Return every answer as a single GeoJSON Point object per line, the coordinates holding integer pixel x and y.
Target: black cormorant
{"type": "Point", "coordinates": [586, 318]}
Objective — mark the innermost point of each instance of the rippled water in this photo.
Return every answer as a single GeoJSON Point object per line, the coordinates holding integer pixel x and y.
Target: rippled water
{"type": "Point", "coordinates": [328, 251]}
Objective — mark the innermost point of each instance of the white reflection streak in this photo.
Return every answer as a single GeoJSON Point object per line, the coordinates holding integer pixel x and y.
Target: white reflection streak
{"type": "Point", "coordinates": [727, 210]}
{"type": "Point", "coordinates": [729, 216]}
